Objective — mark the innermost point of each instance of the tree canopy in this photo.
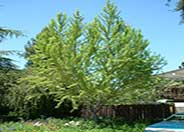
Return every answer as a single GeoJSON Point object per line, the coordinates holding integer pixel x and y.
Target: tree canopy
{"type": "Point", "coordinates": [5, 33]}
{"type": "Point", "coordinates": [102, 62]}
{"type": "Point", "coordinates": [179, 8]}
{"type": "Point", "coordinates": [9, 73]}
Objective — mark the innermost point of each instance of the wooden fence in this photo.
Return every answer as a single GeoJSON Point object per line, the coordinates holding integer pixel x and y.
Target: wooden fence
{"type": "Point", "coordinates": [133, 112]}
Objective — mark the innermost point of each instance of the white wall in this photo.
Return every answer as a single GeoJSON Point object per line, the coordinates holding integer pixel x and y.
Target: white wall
{"type": "Point", "coordinates": [179, 106]}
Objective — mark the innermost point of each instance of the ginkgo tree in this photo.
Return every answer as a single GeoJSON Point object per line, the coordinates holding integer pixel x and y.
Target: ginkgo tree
{"type": "Point", "coordinates": [103, 62]}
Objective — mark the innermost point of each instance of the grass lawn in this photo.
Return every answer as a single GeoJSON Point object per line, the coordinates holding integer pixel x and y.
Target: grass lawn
{"type": "Point", "coordinates": [75, 125]}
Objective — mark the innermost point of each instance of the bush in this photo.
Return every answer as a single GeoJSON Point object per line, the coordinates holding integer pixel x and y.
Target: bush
{"type": "Point", "coordinates": [70, 125]}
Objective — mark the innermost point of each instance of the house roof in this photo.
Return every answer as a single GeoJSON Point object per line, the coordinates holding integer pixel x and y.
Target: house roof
{"type": "Point", "coordinates": [174, 74]}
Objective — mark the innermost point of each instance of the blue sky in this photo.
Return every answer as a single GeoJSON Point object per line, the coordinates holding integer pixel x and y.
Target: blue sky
{"type": "Point", "coordinates": [158, 23]}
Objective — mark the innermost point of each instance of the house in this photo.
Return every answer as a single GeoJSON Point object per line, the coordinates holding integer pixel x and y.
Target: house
{"type": "Point", "coordinates": [175, 92]}
{"type": "Point", "coordinates": [175, 74]}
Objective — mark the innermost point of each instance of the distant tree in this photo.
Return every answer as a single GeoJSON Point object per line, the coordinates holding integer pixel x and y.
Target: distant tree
{"type": "Point", "coordinates": [181, 66]}
{"type": "Point", "coordinates": [9, 73]}
{"type": "Point", "coordinates": [8, 77]}
{"type": "Point", "coordinates": [7, 64]}
{"type": "Point", "coordinates": [179, 7]}
{"type": "Point", "coordinates": [5, 33]}
{"type": "Point", "coordinates": [104, 62]}
{"type": "Point", "coordinates": [8, 70]}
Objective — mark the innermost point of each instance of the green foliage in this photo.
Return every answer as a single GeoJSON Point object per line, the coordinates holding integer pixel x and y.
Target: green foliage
{"type": "Point", "coordinates": [8, 77]}
{"type": "Point", "coordinates": [179, 8]}
{"type": "Point", "coordinates": [9, 33]}
{"type": "Point", "coordinates": [29, 51]}
{"type": "Point", "coordinates": [181, 66]}
{"type": "Point", "coordinates": [9, 73]}
{"type": "Point", "coordinates": [4, 33]}
{"type": "Point", "coordinates": [8, 70]}
{"type": "Point", "coordinates": [103, 62]}
{"type": "Point", "coordinates": [6, 64]}
{"type": "Point", "coordinates": [56, 125]}
{"type": "Point", "coordinates": [35, 103]}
